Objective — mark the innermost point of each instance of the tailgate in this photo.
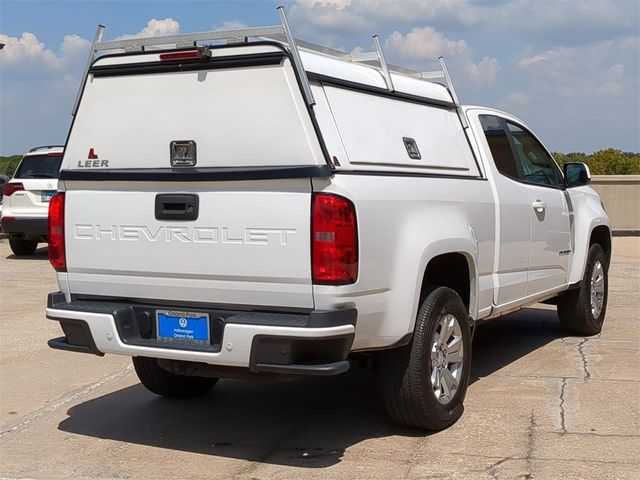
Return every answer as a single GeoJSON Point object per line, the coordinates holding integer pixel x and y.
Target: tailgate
{"type": "Point", "coordinates": [249, 245]}
{"type": "Point", "coordinates": [245, 146]}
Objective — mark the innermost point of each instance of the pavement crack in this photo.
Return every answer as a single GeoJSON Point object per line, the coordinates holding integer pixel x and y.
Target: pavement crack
{"type": "Point", "coordinates": [66, 400]}
{"type": "Point", "coordinates": [563, 391]}
{"type": "Point", "coordinates": [493, 469]}
{"type": "Point", "coordinates": [585, 364]}
{"type": "Point", "coordinates": [604, 435]}
{"type": "Point", "coordinates": [531, 431]}
{"type": "Point", "coordinates": [416, 450]}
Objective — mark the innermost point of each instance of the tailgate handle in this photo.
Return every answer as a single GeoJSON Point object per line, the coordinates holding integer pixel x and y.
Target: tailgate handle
{"type": "Point", "coordinates": [176, 206]}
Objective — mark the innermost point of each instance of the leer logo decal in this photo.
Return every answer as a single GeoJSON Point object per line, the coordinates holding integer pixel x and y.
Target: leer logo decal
{"type": "Point", "coordinates": [93, 161]}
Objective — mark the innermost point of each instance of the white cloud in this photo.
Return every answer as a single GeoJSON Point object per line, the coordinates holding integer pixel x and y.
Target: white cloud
{"type": "Point", "coordinates": [363, 14]}
{"type": "Point", "coordinates": [611, 85]}
{"type": "Point", "coordinates": [426, 44]}
{"type": "Point", "coordinates": [517, 99]}
{"type": "Point", "coordinates": [230, 25]}
{"type": "Point", "coordinates": [593, 70]}
{"type": "Point", "coordinates": [484, 72]}
{"type": "Point", "coordinates": [530, 17]}
{"type": "Point", "coordinates": [27, 49]}
{"type": "Point", "coordinates": [155, 28]}
{"type": "Point", "coordinates": [328, 14]}
{"type": "Point", "coordinates": [74, 46]}
{"type": "Point", "coordinates": [28, 54]}
{"type": "Point", "coordinates": [579, 20]}
{"type": "Point", "coordinates": [556, 55]}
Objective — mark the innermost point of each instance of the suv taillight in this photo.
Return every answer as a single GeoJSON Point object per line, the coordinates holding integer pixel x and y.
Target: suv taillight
{"type": "Point", "coordinates": [57, 255]}
{"type": "Point", "coordinates": [10, 188]}
{"type": "Point", "coordinates": [334, 240]}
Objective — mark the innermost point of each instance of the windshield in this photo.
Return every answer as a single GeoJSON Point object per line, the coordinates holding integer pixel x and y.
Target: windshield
{"type": "Point", "coordinates": [39, 166]}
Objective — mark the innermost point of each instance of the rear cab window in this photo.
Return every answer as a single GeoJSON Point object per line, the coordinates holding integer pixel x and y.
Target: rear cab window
{"type": "Point", "coordinates": [39, 166]}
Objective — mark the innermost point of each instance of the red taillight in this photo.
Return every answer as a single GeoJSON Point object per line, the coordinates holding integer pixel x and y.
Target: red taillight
{"type": "Point", "coordinates": [10, 188]}
{"type": "Point", "coordinates": [180, 55]}
{"type": "Point", "coordinates": [334, 240]}
{"type": "Point", "coordinates": [57, 255]}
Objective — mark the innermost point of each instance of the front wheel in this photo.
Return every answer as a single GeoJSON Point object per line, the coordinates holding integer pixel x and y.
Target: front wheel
{"type": "Point", "coordinates": [166, 384]}
{"type": "Point", "coordinates": [424, 383]}
{"type": "Point", "coordinates": [582, 311]}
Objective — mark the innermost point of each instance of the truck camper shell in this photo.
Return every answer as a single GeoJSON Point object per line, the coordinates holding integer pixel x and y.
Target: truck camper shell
{"type": "Point", "coordinates": [345, 94]}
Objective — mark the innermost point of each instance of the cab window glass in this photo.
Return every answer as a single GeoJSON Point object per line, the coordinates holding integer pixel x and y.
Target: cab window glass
{"type": "Point", "coordinates": [536, 165]}
{"type": "Point", "coordinates": [499, 145]}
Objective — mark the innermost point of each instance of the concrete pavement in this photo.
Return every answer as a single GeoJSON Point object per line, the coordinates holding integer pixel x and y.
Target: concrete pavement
{"type": "Point", "coordinates": [541, 406]}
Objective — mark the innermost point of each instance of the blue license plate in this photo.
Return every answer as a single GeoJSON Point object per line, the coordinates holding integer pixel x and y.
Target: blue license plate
{"type": "Point", "coordinates": [183, 327]}
{"type": "Point", "coordinates": [46, 195]}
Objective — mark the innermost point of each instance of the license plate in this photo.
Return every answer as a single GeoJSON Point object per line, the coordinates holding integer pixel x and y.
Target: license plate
{"type": "Point", "coordinates": [182, 327]}
{"type": "Point", "coordinates": [46, 196]}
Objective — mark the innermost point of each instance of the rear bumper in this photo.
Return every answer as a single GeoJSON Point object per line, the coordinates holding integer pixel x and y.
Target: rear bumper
{"type": "Point", "coordinates": [308, 343]}
{"type": "Point", "coordinates": [25, 226]}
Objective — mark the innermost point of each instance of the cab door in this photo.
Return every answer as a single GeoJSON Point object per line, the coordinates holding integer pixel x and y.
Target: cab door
{"type": "Point", "coordinates": [550, 246]}
{"type": "Point", "coordinates": [513, 211]}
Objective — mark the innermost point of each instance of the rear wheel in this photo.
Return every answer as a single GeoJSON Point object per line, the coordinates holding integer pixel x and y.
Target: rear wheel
{"type": "Point", "coordinates": [22, 247]}
{"type": "Point", "coordinates": [424, 383]}
{"type": "Point", "coordinates": [166, 384]}
{"type": "Point", "coordinates": [582, 311]}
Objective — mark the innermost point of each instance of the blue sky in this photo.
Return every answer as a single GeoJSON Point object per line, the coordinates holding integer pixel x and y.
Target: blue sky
{"type": "Point", "coordinates": [570, 68]}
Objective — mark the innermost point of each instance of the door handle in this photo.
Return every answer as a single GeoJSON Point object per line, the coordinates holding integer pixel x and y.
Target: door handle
{"type": "Point", "coordinates": [176, 207]}
{"type": "Point", "coordinates": [539, 206]}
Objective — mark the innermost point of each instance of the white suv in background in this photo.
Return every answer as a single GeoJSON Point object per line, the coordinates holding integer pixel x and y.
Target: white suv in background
{"type": "Point", "coordinates": [26, 198]}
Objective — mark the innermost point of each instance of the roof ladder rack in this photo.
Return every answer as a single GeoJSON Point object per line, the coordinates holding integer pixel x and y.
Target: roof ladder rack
{"type": "Point", "coordinates": [281, 33]}
{"type": "Point", "coordinates": [366, 57]}
{"type": "Point", "coordinates": [297, 61]}
{"type": "Point", "coordinates": [383, 64]}
{"type": "Point", "coordinates": [452, 91]}
{"type": "Point", "coordinates": [92, 55]}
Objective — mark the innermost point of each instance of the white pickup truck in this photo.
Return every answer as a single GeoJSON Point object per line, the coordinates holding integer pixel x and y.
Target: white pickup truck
{"type": "Point", "coordinates": [272, 207]}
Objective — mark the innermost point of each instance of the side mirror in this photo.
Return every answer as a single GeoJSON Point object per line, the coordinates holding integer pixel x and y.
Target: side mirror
{"type": "Point", "coordinates": [576, 174]}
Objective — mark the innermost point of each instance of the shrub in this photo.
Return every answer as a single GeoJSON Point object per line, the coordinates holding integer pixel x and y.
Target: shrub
{"type": "Point", "coordinates": [604, 162]}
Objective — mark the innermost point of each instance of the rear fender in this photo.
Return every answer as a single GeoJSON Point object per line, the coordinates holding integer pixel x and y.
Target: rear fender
{"type": "Point", "coordinates": [466, 247]}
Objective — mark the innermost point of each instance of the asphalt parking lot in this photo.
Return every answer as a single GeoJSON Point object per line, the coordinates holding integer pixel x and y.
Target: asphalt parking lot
{"type": "Point", "coordinates": [541, 406]}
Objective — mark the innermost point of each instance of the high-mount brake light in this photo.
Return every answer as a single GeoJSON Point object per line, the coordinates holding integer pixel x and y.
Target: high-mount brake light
{"type": "Point", "coordinates": [10, 188]}
{"type": "Point", "coordinates": [334, 240]}
{"type": "Point", "coordinates": [182, 55]}
{"type": "Point", "coordinates": [57, 255]}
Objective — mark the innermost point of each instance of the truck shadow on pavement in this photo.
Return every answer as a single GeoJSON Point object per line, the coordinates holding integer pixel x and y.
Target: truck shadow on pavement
{"type": "Point", "coordinates": [307, 422]}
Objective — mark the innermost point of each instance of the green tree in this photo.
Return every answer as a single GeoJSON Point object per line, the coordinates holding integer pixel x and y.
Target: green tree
{"type": "Point", "coordinates": [613, 162]}
{"type": "Point", "coordinates": [8, 165]}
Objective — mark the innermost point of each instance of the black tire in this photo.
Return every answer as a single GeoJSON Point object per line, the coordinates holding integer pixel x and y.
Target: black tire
{"type": "Point", "coordinates": [574, 307]}
{"type": "Point", "coordinates": [166, 384]}
{"type": "Point", "coordinates": [406, 372]}
{"type": "Point", "coordinates": [22, 247]}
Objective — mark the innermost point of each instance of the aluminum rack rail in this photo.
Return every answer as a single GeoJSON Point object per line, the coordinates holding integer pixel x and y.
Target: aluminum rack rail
{"type": "Point", "coordinates": [281, 33]}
